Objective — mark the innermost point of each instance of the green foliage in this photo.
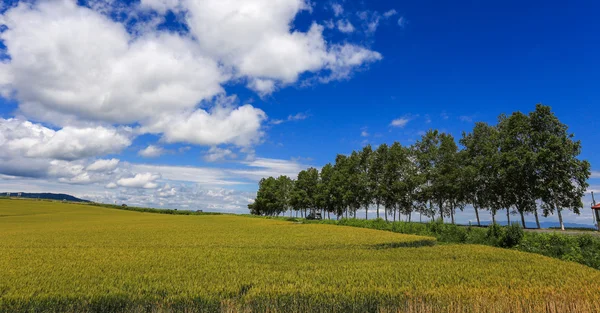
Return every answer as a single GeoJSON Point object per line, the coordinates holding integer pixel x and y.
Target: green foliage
{"type": "Point", "coordinates": [512, 236]}
{"type": "Point", "coordinates": [494, 234]}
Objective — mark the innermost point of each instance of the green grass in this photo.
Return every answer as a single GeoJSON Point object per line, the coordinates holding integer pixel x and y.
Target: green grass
{"type": "Point", "coordinates": [57, 257]}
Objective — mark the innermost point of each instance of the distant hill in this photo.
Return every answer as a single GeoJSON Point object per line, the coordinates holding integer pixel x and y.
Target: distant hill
{"type": "Point", "coordinates": [49, 196]}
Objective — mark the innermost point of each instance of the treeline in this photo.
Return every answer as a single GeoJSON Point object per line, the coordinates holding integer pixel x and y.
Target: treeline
{"type": "Point", "coordinates": [524, 162]}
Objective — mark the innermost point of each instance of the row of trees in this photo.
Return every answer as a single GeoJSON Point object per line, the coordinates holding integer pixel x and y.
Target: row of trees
{"type": "Point", "coordinates": [523, 163]}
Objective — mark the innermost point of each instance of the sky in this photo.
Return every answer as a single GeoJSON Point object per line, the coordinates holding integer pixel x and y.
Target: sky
{"type": "Point", "coordinates": [187, 104]}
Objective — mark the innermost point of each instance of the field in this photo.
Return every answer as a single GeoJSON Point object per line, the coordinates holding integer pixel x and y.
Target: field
{"type": "Point", "coordinates": [57, 257]}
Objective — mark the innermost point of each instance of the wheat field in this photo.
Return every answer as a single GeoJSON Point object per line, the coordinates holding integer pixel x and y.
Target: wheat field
{"type": "Point", "coordinates": [57, 257]}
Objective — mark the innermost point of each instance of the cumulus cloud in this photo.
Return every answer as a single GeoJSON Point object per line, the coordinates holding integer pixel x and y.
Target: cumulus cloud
{"type": "Point", "coordinates": [142, 180]}
{"type": "Point", "coordinates": [23, 138]}
{"type": "Point", "coordinates": [164, 81]}
{"type": "Point", "coordinates": [262, 86]}
{"type": "Point", "coordinates": [221, 125]}
{"type": "Point", "coordinates": [218, 154]}
{"type": "Point", "coordinates": [103, 165]}
{"type": "Point", "coordinates": [57, 66]}
{"type": "Point", "coordinates": [151, 151]}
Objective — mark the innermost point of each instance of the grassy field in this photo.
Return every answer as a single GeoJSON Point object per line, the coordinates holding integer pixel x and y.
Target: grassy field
{"type": "Point", "coordinates": [57, 257]}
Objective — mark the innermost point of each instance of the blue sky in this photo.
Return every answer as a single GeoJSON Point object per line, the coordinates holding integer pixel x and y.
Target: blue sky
{"type": "Point", "coordinates": [272, 90]}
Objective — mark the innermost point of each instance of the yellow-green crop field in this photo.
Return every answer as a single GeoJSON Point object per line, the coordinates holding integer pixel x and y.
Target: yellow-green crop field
{"type": "Point", "coordinates": [57, 257]}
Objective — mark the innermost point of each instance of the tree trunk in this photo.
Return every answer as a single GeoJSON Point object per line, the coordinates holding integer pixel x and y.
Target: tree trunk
{"type": "Point", "coordinates": [377, 209]}
{"type": "Point", "coordinates": [385, 212]}
{"type": "Point", "coordinates": [562, 225]}
{"type": "Point", "coordinates": [367, 212]}
{"type": "Point", "coordinates": [508, 215]}
{"type": "Point", "coordinates": [452, 214]}
{"type": "Point", "coordinates": [493, 217]}
{"type": "Point", "coordinates": [328, 215]}
{"type": "Point", "coordinates": [394, 214]}
{"type": "Point", "coordinates": [537, 219]}
{"type": "Point", "coordinates": [409, 216]}
{"type": "Point", "coordinates": [477, 216]}
{"type": "Point", "coordinates": [522, 219]}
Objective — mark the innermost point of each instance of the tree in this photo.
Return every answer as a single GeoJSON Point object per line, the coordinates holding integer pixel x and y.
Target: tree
{"type": "Point", "coordinates": [561, 178]}
{"type": "Point", "coordinates": [339, 185]}
{"type": "Point", "coordinates": [285, 185]}
{"type": "Point", "coordinates": [480, 172]}
{"type": "Point", "coordinates": [325, 192]}
{"type": "Point", "coordinates": [410, 182]}
{"type": "Point", "coordinates": [354, 183]}
{"type": "Point", "coordinates": [448, 185]}
{"type": "Point", "coordinates": [436, 157]}
{"type": "Point", "coordinates": [518, 162]}
{"type": "Point", "coordinates": [266, 202]}
{"type": "Point", "coordinates": [365, 185]}
{"type": "Point", "coordinates": [376, 174]}
{"type": "Point", "coordinates": [305, 190]}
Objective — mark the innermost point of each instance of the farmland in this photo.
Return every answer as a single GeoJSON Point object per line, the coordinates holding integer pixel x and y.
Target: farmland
{"type": "Point", "coordinates": [57, 257]}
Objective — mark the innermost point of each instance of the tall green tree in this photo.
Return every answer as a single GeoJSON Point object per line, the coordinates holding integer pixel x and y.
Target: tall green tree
{"type": "Point", "coordinates": [376, 174]}
{"type": "Point", "coordinates": [561, 178]}
{"type": "Point", "coordinates": [366, 186]}
{"type": "Point", "coordinates": [325, 197]}
{"type": "Point", "coordinates": [518, 161]}
{"type": "Point", "coordinates": [267, 200]}
{"type": "Point", "coordinates": [437, 161]}
{"type": "Point", "coordinates": [285, 186]}
{"type": "Point", "coordinates": [339, 185]}
{"type": "Point", "coordinates": [480, 155]}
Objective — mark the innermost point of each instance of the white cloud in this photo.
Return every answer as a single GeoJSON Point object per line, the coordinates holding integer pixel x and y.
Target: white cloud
{"type": "Point", "coordinates": [103, 165]}
{"type": "Point", "coordinates": [364, 133]}
{"type": "Point", "coordinates": [57, 66]}
{"type": "Point", "coordinates": [151, 151]}
{"type": "Point", "coordinates": [61, 74]}
{"type": "Point", "coordinates": [221, 125]}
{"type": "Point", "coordinates": [26, 139]}
{"type": "Point", "coordinates": [400, 122]}
{"type": "Point", "coordinates": [337, 9]}
{"type": "Point", "coordinates": [262, 86]}
{"type": "Point", "coordinates": [144, 180]}
{"type": "Point", "coordinates": [218, 154]}
{"type": "Point", "coordinates": [595, 174]}
{"type": "Point", "coordinates": [345, 26]}
{"type": "Point", "coordinates": [111, 186]}
{"type": "Point", "coordinates": [390, 13]}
